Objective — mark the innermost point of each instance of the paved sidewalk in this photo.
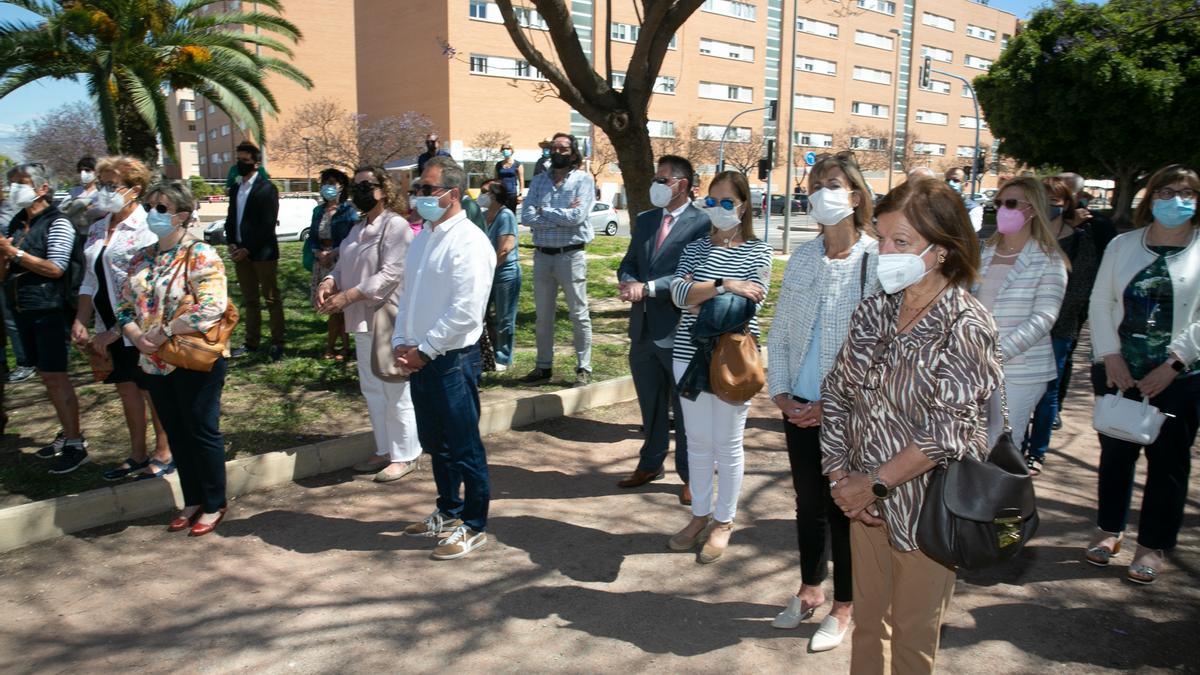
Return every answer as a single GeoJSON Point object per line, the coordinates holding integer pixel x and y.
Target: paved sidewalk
{"type": "Point", "coordinates": [315, 577]}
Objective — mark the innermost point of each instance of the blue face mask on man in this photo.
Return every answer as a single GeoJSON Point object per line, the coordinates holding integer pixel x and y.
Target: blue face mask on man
{"type": "Point", "coordinates": [1175, 211]}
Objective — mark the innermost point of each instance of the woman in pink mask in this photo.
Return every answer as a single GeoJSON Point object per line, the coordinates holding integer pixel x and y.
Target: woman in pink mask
{"type": "Point", "coordinates": [1023, 278]}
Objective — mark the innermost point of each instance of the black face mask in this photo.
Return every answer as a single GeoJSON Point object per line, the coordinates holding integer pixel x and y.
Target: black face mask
{"type": "Point", "coordinates": [560, 161]}
{"type": "Point", "coordinates": [245, 168]}
{"type": "Point", "coordinates": [364, 200]}
{"type": "Point", "coordinates": [431, 147]}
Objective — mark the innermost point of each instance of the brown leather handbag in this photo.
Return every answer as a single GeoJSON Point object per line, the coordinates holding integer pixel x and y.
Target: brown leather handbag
{"type": "Point", "coordinates": [197, 351]}
{"type": "Point", "coordinates": [736, 373]}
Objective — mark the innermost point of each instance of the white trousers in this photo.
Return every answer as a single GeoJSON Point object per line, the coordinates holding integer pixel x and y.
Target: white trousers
{"type": "Point", "coordinates": [1021, 400]}
{"type": "Point", "coordinates": [714, 436]}
{"type": "Point", "coordinates": [393, 419]}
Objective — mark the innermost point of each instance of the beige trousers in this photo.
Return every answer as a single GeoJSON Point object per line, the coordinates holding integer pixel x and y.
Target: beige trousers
{"type": "Point", "coordinates": [899, 600]}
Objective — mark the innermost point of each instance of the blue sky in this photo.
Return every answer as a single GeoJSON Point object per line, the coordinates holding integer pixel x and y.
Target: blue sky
{"type": "Point", "coordinates": [33, 100]}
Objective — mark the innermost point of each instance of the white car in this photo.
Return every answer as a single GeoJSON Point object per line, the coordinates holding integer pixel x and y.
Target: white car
{"type": "Point", "coordinates": [295, 218]}
{"type": "Point", "coordinates": [603, 218]}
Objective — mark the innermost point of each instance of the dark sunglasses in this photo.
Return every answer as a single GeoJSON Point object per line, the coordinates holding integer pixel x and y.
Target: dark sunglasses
{"type": "Point", "coordinates": [365, 186]}
{"type": "Point", "coordinates": [426, 189]}
{"type": "Point", "coordinates": [1011, 203]}
{"type": "Point", "coordinates": [664, 181]}
{"type": "Point", "coordinates": [727, 204]}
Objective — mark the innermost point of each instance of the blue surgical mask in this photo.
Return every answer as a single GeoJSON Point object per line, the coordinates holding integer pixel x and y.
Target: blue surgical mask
{"type": "Point", "coordinates": [545, 152]}
{"type": "Point", "coordinates": [430, 208]}
{"type": "Point", "coordinates": [160, 223]}
{"type": "Point", "coordinates": [330, 192]}
{"type": "Point", "coordinates": [506, 153]}
{"type": "Point", "coordinates": [1174, 212]}
{"type": "Point", "coordinates": [955, 185]}
{"type": "Point", "coordinates": [1055, 211]}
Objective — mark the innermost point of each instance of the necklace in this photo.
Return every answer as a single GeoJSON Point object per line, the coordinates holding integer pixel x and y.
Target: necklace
{"type": "Point", "coordinates": [922, 310]}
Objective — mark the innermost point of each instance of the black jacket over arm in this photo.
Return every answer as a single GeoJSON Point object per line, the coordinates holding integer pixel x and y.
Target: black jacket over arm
{"type": "Point", "coordinates": [258, 220]}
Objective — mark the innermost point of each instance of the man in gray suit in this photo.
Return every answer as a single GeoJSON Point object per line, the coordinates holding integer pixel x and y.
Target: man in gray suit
{"type": "Point", "coordinates": [659, 238]}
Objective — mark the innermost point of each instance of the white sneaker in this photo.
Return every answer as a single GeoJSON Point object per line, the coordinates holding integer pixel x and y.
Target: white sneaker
{"type": "Point", "coordinates": [461, 541]}
{"type": "Point", "coordinates": [500, 368]}
{"type": "Point", "coordinates": [828, 635]}
{"type": "Point", "coordinates": [435, 525]}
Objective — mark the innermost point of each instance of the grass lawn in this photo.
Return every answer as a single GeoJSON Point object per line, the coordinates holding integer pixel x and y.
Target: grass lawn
{"type": "Point", "coordinates": [272, 406]}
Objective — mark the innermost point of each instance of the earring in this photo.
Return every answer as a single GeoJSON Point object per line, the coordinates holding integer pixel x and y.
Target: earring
{"type": "Point", "coordinates": [941, 258]}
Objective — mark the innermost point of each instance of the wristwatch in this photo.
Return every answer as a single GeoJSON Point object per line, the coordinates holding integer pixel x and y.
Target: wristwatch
{"type": "Point", "coordinates": [19, 254]}
{"type": "Point", "coordinates": [878, 487]}
{"type": "Point", "coordinates": [720, 286]}
{"type": "Point", "coordinates": [1177, 363]}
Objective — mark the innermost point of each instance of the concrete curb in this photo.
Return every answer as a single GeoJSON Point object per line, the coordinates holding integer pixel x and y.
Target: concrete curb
{"type": "Point", "coordinates": [30, 523]}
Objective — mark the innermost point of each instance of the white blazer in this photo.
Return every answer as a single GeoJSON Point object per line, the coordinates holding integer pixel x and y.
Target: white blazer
{"type": "Point", "coordinates": [1123, 259]}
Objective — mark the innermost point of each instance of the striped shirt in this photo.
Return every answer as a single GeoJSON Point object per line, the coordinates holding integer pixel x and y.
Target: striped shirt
{"type": "Point", "coordinates": [928, 387]}
{"type": "Point", "coordinates": [750, 261]}
{"type": "Point", "coordinates": [557, 214]}
{"type": "Point", "coordinates": [60, 240]}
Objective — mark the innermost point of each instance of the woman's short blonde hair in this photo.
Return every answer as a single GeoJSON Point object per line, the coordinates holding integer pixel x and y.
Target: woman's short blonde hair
{"type": "Point", "coordinates": [132, 171]}
{"type": "Point", "coordinates": [1039, 223]}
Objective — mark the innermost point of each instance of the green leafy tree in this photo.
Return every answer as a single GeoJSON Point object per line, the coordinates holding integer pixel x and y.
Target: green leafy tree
{"type": "Point", "coordinates": [131, 52]}
{"type": "Point", "coordinates": [1107, 90]}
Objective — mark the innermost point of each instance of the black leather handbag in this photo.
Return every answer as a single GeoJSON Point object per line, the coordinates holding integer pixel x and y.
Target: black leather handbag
{"type": "Point", "coordinates": [979, 513]}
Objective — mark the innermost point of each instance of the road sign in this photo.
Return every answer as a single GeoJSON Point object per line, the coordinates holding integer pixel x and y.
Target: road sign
{"type": "Point", "coordinates": [810, 158]}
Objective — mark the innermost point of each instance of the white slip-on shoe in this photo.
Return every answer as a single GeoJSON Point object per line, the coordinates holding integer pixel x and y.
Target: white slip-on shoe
{"type": "Point", "coordinates": [795, 614]}
{"type": "Point", "coordinates": [828, 635]}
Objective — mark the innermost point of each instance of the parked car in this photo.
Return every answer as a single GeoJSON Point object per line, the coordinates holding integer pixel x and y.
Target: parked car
{"type": "Point", "coordinates": [603, 218]}
{"type": "Point", "coordinates": [799, 204]}
{"type": "Point", "coordinates": [757, 199]}
{"type": "Point", "coordinates": [295, 217]}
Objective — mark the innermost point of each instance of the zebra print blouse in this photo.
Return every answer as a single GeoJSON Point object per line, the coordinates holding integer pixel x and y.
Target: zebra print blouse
{"type": "Point", "coordinates": [928, 387]}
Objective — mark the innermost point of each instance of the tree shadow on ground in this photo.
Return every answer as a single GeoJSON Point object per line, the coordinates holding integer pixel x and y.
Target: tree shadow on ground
{"type": "Point", "coordinates": [309, 533]}
{"type": "Point", "coordinates": [656, 623]}
{"type": "Point", "coordinates": [514, 482]}
{"type": "Point", "coordinates": [582, 429]}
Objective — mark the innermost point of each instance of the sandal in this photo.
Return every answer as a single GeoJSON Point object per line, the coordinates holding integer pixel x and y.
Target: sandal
{"type": "Point", "coordinates": [130, 465]}
{"type": "Point", "coordinates": [1100, 555]}
{"type": "Point", "coordinates": [158, 469]}
{"type": "Point", "coordinates": [1034, 465]}
{"type": "Point", "coordinates": [1145, 574]}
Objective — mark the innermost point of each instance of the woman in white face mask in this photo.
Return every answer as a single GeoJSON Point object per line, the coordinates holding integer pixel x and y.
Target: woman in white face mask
{"type": "Point", "coordinates": [730, 260]}
{"type": "Point", "coordinates": [908, 391]}
{"type": "Point", "coordinates": [80, 205]}
{"type": "Point", "coordinates": [823, 284]}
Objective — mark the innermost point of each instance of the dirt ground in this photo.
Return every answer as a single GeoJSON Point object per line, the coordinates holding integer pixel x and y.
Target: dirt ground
{"type": "Point", "coordinates": [315, 577]}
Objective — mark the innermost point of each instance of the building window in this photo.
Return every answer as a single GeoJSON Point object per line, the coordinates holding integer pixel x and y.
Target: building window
{"type": "Point", "coordinates": [211, 108]}
{"type": "Point", "coordinates": [981, 33]}
{"type": "Point", "coordinates": [627, 32]}
{"type": "Point", "coordinates": [966, 92]}
{"type": "Point", "coordinates": [524, 70]}
{"type": "Point", "coordinates": [811, 139]}
{"type": "Point", "coordinates": [738, 10]}
{"type": "Point", "coordinates": [875, 40]}
{"type": "Point", "coordinates": [932, 117]}
{"type": "Point", "coordinates": [936, 149]}
{"type": "Point", "coordinates": [527, 17]}
{"type": "Point", "coordinates": [938, 87]}
{"type": "Point", "coordinates": [881, 6]}
{"type": "Point", "coordinates": [967, 122]}
{"type": "Point", "coordinates": [965, 151]}
{"type": "Point", "coordinates": [712, 132]}
{"type": "Point", "coordinates": [726, 92]}
{"type": "Point", "coordinates": [203, 160]}
{"type": "Point", "coordinates": [814, 65]}
{"type": "Point", "coordinates": [937, 54]}
{"type": "Point", "coordinates": [868, 109]}
{"type": "Point", "coordinates": [872, 75]}
{"type": "Point", "coordinates": [224, 129]}
{"type": "Point", "coordinates": [479, 64]}
{"type": "Point", "coordinates": [726, 50]}
{"type": "Point", "coordinates": [212, 134]}
{"type": "Point", "coordinates": [479, 10]}
{"type": "Point", "coordinates": [664, 84]}
{"type": "Point", "coordinates": [199, 113]}
{"type": "Point", "coordinates": [977, 62]}
{"type": "Point", "coordinates": [191, 127]}
{"type": "Point", "coordinates": [865, 143]}
{"type": "Point", "coordinates": [227, 156]}
{"type": "Point", "coordinates": [1004, 38]}
{"type": "Point", "coordinates": [661, 128]}
{"type": "Point", "coordinates": [937, 21]}
{"type": "Point", "coordinates": [818, 103]}
{"type": "Point", "coordinates": [814, 27]}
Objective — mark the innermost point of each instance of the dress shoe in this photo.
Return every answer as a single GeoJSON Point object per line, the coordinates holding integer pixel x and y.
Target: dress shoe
{"type": "Point", "coordinates": [183, 522]}
{"type": "Point", "coordinates": [796, 613]}
{"type": "Point", "coordinates": [201, 529]}
{"type": "Point", "coordinates": [682, 542]}
{"type": "Point", "coordinates": [711, 554]}
{"type": "Point", "coordinates": [685, 496]}
{"type": "Point", "coordinates": [639, 478]}
{"type": "Point", "coordinates": [828, 635]}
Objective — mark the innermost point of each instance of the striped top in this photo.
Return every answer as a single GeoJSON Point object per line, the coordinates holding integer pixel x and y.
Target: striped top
{"type": "Point", "coordinates": [928, 387]}
{"type": "Point", "coordinates": [750, 261]}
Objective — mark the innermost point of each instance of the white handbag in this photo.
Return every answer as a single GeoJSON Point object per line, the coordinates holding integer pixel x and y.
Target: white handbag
{"type": "Point", "coordinates": [1126, 419]}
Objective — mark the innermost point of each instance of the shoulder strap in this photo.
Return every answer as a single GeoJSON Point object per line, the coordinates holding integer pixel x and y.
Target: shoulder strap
{"type": "Point", "coordinates": [862, 275]}
{"type": "Point", "coordinates": [379, 246]}
{"type": "Point", "coordinates": [187, 259]}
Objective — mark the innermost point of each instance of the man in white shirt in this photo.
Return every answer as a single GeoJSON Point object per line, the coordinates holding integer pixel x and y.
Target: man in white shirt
{"type": "Point", "coordinates": [447, 280]}
{"type": "Point", "coordinates": [955, 177]}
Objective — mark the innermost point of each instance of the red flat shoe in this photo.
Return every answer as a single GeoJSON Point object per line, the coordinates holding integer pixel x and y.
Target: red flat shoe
{"type": "Point", "coordinates": [183, 522]}
{"type": "Point", "coordinates": [200, 529]}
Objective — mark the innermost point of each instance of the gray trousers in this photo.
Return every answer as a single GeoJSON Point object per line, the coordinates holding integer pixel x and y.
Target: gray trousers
{"type": "Point", "coordinates": [654, 381]}
{"type": "Point", "coordinates": [568, 270]}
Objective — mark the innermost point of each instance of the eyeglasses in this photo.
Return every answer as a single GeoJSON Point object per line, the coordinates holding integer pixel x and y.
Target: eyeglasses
{"type": "Point", "coordinates": [845, 155]}
{"type": "Point", "coordinates": [112, 187]}
{"type": "Point", "coordinates": [1169, 193]}
{"type": "Point", "coordinates": [1011, 203]}
{"type": "Point", "coordinates": [561, 149]}
{"type": "Point", "coordinates": [873, 378]}
{"type": "Point", "coordinates": [365, 186]}
{"type": "Point", "coordinates": [727, 204]}
{"type": "Point", "coordinates": [665, 180]}
{"type": "Point", "coordinates": [426, 189]}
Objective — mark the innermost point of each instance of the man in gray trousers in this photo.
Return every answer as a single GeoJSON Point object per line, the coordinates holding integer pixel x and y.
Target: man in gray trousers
{"type": "Point", "coordinates": [659, 238]}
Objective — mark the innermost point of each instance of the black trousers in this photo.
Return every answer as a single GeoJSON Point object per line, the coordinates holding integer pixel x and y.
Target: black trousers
{"type": "Point", "coordinates": [189, 404]}
{"type": "Point", "coordinates": [1168, 463]}
{"type": "Point", "coordinates": [654, 382]}
{"type": "Point", "coordinates": [819, 521]}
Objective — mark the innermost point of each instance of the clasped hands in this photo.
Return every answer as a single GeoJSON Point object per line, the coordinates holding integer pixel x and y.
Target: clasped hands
{"type": "Point", "coordinates": [852, 494]}
{"type": "Point", "coordinates": [408, 358]}
{"type": "Point", "coordinates": [1153, 384]}
{"type": "Point", "coordinates": [803, 415]}
{"type": "Point", "coordinates": [632, 291]}
{"type": "Point", "coordinates": [98, 343]}
{"type": "Point", "coordinates": [329, 300]}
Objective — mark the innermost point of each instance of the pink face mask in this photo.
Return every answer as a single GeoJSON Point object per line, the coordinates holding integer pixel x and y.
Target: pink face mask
{"type": "Point", "coordinates": [1009, 221]}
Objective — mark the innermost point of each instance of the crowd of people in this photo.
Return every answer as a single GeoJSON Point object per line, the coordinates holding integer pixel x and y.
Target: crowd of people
{"type": "Point", "coordinates": [905, 337]}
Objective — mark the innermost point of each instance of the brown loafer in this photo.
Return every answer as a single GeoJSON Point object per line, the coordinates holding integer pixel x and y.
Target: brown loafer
{"type": "Point", "coordinates": [640, 478]}
{"type": "Point", "coordinates": [685, 496]}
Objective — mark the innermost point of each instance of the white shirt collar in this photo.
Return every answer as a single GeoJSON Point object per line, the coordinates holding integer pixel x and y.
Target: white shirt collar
{"type": "Point", "coordinates": [679, 211]}
{"type": "Point", "coordinates": [445, 226]}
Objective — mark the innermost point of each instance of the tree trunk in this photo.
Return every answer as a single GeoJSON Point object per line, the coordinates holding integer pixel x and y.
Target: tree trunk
{"type": "Point", "coordinates": [1123, 193]}
{"type": "Point", "coordinates": [636, 158]}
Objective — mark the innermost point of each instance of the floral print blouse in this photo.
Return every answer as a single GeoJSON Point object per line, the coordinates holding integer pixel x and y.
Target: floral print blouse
{"type": "Point", "coordinates": [148, 298]}
{"type": "Point", "coordinates": [128, 238]}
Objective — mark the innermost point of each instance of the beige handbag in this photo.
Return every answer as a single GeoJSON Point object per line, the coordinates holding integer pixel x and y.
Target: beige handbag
{"type": "Point", "coordinates": [383, 322]}
{"type": "Point", "coordinates": [736, 373]}
{"type": "Point", "coordinates": [195, 350]}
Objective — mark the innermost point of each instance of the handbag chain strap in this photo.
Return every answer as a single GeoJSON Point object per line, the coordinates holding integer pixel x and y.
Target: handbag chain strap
{"type": "Point", "coordinates": [1003, 390]}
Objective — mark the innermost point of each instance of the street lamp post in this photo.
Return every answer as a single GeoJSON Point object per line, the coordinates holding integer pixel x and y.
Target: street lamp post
{"type": "Point", "coordinates": [307, 167]}
{"type": "Point", "coordinates": [978, 121]}
{"type": "Point", "coordinates": [895, 107]}
{"type": "Point", "coordinates": [721, 148]}
{"type": "Point", "coordinates": [791, 134]}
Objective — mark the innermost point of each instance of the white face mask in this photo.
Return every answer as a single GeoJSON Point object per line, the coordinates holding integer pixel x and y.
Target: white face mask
{"type": "Point", "coordinates": [86, 177]}
{"type": "Point", "coordinates": [484, 201]}
{"type": "Point", "coordinates": [830, 206]}
{"type": "Point", "coordinates": [660, 195]}
{"type": "Point", "coordinates": [111, 201]}
{"type": "Point", "coordinates": [21, 195]}
{"type": "Point", "coordinates": [722, 219]}
{"type": "Point", "coordinates": [898, 271]}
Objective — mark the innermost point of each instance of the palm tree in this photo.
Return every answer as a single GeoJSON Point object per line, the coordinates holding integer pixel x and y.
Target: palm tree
{"type": "Point", "coordinates": [131, 53]}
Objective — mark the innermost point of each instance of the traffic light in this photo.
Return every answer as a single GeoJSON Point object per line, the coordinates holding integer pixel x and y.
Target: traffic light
{"type": "Point", "coordinates": [772, 110]}
{"type": "Point", "coordinates": [980, 163]}
{"type": "Point", "coordinates": [764, 169]}
{"type": "Point", "coordinates": [967, 171]}
{"type": "Point", "coordinates": [925, 70]}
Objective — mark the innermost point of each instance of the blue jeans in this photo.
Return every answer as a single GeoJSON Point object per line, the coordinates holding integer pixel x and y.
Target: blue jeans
{"type": "Point", "coordinates": [506, 289]}
{"type": "Point", "coordinates": [1038, 440]}
{"type": "Point", "coordinates": [445, 394]}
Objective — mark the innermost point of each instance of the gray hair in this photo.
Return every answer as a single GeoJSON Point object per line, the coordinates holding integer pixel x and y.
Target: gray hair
{"type": "Point", "coordinates": [453, 175]}
{"type": "Point", "coordinates": [1073, 179]}
{"type": "Point", "coordinates": [177, 193]}
{"type": "Point", "coordinates": [39, 174]}
{"type": "Point", "coordinates": [922, 172]}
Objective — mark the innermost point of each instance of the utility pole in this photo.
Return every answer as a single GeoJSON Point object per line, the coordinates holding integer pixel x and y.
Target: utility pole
{"type": "Point", "coordinates": [928, 68]}
{"type": "Point", "coordinates": [771, 106]}
{"type": "Point", "coordinates": [307, 166]}
{"type": "Point", "coordinates": [791, 134]}
{"type": "Point", "coordinates": [895, 108]}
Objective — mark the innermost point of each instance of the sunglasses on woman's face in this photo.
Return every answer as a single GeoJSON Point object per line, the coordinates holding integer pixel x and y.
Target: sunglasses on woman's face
{"type": "Point", "coordinates": [1011, 203]}
{"type": "Point", "coordinates": [365, 186]}
{"type": "Point", "coordinates": [727, 204]}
